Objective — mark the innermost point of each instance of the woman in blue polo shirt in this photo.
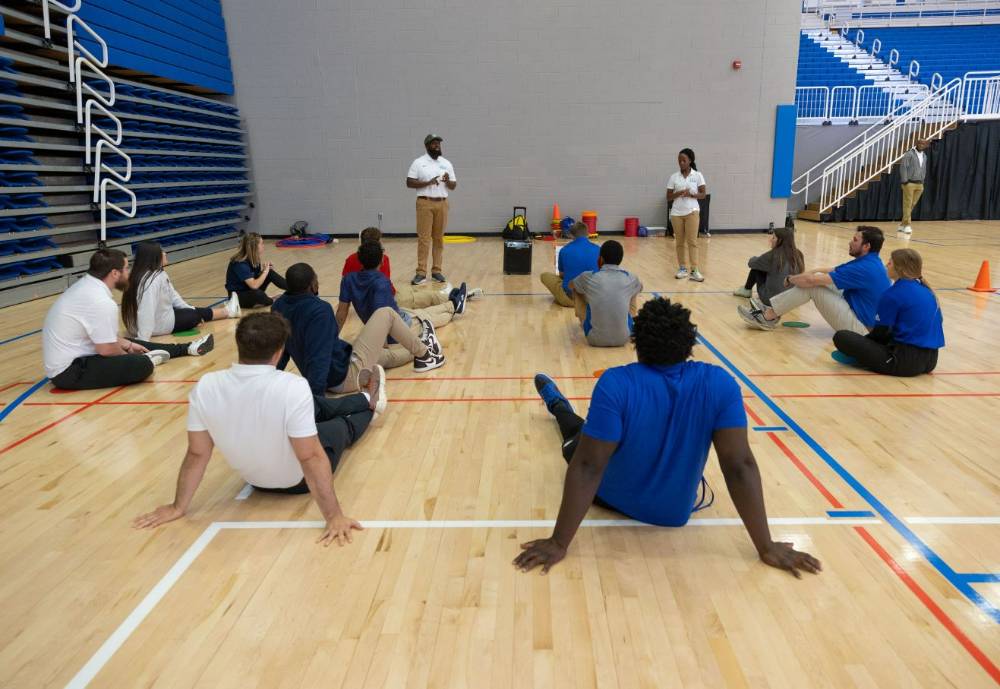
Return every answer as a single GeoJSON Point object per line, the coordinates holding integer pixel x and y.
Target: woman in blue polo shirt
{"type": "Point", "coordinates": [249, 274]}
{"type": "Point", "coordinates": [908, 329]}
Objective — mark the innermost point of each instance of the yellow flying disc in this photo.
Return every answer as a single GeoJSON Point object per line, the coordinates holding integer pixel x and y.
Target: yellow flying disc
{"type": "Point", "coordinates": [458, 239]}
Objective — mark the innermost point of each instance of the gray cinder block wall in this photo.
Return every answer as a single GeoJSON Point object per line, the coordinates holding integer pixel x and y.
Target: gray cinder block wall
{"type": "Point", "coordinates": [582, 103]}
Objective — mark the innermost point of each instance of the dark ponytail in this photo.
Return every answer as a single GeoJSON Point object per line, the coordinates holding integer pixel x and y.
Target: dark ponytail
{"type": "Point", "coordinates": [690, 156]}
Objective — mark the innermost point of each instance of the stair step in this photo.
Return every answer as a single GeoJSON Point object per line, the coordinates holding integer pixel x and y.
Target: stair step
{"type": "Point", "coordinates": [809, 215]}
{"type": "Point", "coordinates": [814, 206]}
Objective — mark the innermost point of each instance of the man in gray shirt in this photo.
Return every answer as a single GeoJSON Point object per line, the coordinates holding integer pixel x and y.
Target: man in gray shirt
{"type": "Point", "coordinates": [605, 299]}
{"type": "Point", "coordinates": [912, 171]}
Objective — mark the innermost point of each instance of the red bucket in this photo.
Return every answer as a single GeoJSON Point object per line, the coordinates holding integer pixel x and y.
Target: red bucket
{"type": "Point", "coordinates": [589, 219]}
{"type": "Point", "coordinates": [631, 227]}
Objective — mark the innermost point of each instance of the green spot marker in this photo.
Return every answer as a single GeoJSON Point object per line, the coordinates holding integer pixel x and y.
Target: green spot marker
{"type": "Point", "coordinates": [795, 324]}
{"type": "Point", "coordinates": [187, 333]}
{"type": "Point", "coordinates": [842, 358]}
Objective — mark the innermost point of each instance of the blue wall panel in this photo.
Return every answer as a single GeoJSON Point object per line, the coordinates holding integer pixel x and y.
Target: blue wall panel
{"type": "Point", "coordinates": [183, 40]}
{"type": "Point", "coordinates": [784, 152]}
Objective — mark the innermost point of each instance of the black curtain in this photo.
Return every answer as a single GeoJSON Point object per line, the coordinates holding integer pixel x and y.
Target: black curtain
{"type": "Point", "coordinates": [962, 182]}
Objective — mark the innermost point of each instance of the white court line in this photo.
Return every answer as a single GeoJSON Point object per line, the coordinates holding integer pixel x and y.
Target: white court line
{"type": "Point", "coordinates": [163, 586]}
{"type": "Point", "coordinates": [245, 492]}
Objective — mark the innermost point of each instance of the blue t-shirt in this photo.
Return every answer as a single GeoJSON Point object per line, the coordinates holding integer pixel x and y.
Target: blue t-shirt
{"type": "Point", "coordinates": [576, 257]}
{"type": "Point", "coordinates": [913, 315]}
{"type": "Point", "coordinates": [863, 281]}
{"type": "Point", "coordinates": [367, 291]}
{"type": "Point", "coordinates": [237, 275]}
{"type": "Point", "coordinates": [662, 418]}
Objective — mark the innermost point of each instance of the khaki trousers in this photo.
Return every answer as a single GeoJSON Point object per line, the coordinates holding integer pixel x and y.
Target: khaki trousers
{"type": "Point", "coordinates": [553, 283]}
{"type": "Point", "coordinates": [432, 218]}
{"type": "Point", "coordinates": [422, 297]}
{"type": "Point", "coordinates": [911, 195]}
{"type": "Point", "coordinates": [439, 315]}
{"type": "Point", "coordinates": [369, 346]}
{"type": "Point", "coordinates": [686, 237]}
{"type": "Point", "coordinates": [829, 301]}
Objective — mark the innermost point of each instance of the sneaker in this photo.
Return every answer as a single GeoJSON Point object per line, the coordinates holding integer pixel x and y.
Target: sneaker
{"type": "Point", "coordinates": [901, 228]}
{"type": "Point", "coordinates": [476, 293]}
{"type": "Point", "coordinates": [233, 309]}
{"type": "Point", "coordinates": [376, 390]}
{"type": "Point", "coordinates": [447, 289]}
{"type": "Point", "coordinates": [742, 292]}
{"type": "Point", "coordinates": [757, 304]}
{"type": "Point", "coordinates": [439, 277]}
{"type": "Point", "coordinates": [460, 295]}
{"type": "Point", "coordinates": [549, 392]}
{"type": "Point", "coordinates": [428, 362]}
{"type": "Point", "coordinates": [907, 230]}
{"type": "Point", "coordinates": [681, 274]}
{"type": "Point", "coordinates": [755, 319]}
{"type": "Point", "coordinates": [697, 276]}
{"type": "Point", "coordinates": [429, 337]}
{"type": "Point", "coordinates": [203, 345]}
{"type": "Point", "coordinates": [418, 279]}
{"type": "Point", "coordinates": [158, 356]}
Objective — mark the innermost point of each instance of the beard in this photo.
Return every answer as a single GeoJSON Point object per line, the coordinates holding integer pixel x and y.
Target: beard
{"type": "Point", "coordinates": [122, 284]}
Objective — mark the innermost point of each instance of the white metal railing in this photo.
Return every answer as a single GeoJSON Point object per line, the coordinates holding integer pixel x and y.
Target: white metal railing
{"type": "Point", "coordinates": [869, 103]}
{"type": "Point", "coordinates": [880, 151]}
{"type": "Point", "coordinates": [981, 95]}
{"type": "Point", "coordinates": [913, 13]}
{"type": "Point", "coordinates": [812, 102]}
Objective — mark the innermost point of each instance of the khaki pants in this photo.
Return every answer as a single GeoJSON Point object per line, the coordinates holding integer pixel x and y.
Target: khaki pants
{"type": "Point", "coordinates": [911, 194]}
{"type": "Point", "coordinates": [439, 315]}
{"type": "Point", "coordinates": [553, 283]}
{"type": "Point", "coordinates": [686, 237]}
{"type": "Point", "coordinates": [829, 301]}
{"type": "Point", "coordinates": [369, 346]}
{"type": "Point", "coordinates": [432, 218]}
{"type": "Point", "coordinates": [410, 297]}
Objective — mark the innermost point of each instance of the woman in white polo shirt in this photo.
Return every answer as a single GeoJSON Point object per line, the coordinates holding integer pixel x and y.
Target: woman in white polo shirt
{"type": "Point", "coordinates": [684, 188]}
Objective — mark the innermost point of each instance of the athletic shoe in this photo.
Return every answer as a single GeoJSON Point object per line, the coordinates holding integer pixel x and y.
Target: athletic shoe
{"type": "Point", "coordinates": [742, 292]}
{"type": "Point", "coordinates": [429, 337]}
{"type": "Point", "coordinates": [438, 277]}
{"type": "Point", "coordinates": [203, 345]}
{"type": "Point", "coordinates": [418, 279]}
{"type": "Point", "coordinates": [697, 276]}
{"type": "Point", "coordinates": [376, 390]}
{"type": "Point", "coordinates": [476, 293]}
{"type": "Point", "coordinates": [447, 289]}
{"type": "Point", "coordinates": [757, 304]}
{"type": "Point", "coordinates": [233, 309]}
{"type": "Point", "coordinates": [755, 319]}
{"type": "Point", "coordinates": [549, 392]}
{"type": "Point", "coordinates": [681, 274]}
{"type": "Point", "coordinates": [428, 362]}
{"type": "Point", "coordinates": [901, 228]}
{"type": "Point", "coordinates": [158, 356]}
{"type": "Point", "coordinates": [460, 295]}
{"type": "Point", "coordinates": [907, 230]}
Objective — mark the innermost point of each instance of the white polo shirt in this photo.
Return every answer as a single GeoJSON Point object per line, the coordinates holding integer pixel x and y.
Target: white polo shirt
{"type": "Point", "coordinates": [425, 168]}
{"type": "Point", "coordinates": [157, 301]}
{"type": "Point", "coordinates": [83, 316]}
{"type": "Point", "coordinates": [251, 411]}
{"type": "Point", "coordinates": [678, 182]}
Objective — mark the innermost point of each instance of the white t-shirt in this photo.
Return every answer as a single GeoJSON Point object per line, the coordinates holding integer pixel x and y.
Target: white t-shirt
{"type": "Point", "coordinates": [251, 411]}
{"type": "Point", "coordinates": [157, 301]}
{"type": "Point", "coordinates": [425, 168]}
{"type": "Point", "coordinates": [678, 182]}
{"type": "Point", "coordinates": [920, 156]}
{"type": "Point", "coordinates": [83, 316]}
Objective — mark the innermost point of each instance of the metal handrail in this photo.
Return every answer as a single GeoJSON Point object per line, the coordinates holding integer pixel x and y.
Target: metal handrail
{"type": "Point", "coordinates": [891, 12]}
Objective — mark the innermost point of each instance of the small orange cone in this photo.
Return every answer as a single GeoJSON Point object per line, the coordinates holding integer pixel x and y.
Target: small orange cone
{"type": "Point", "coordinates": [556, 222]}
{"type": "Point", "coordinates": [983, 279]}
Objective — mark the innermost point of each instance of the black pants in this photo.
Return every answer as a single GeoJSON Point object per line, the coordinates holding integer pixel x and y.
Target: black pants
{"type": "Point", "coordinates": [185, 319]}
{"type": "Point", "coordinates": [892, 359]}
{"type": "Point", "coordinates": [755, 278]}
{"type": "Point", "coordinates": [93, 372]}
{"type": "Point", "coordinates": [339, 422]}
{"type": "Point", "coordinates": [250, 298]}
{"type": "Point", "coordinates": [570, 425]}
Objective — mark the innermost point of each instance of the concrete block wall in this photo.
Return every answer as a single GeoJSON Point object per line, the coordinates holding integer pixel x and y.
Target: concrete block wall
{"type": "Point", "coordinates": [576, 102]}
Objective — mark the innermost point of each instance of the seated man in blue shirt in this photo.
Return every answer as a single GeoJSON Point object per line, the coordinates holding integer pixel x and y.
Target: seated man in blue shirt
{"type": "Point", "coordinates": [326, 361]}
{"type": "Point", "coordinates": [845, 296]}
{"type": "Point", "coordinates": [643, 448]}
{"type": "Point", "coordinates": [574, 258]}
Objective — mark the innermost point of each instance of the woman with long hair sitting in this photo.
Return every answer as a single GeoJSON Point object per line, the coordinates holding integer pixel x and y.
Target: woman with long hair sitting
{"type": "Point", "coordinates": [908, 324]}
{"type": "Point", "coordinates": [769, 270]}
{"type": "Point", "coordinates": [249, 275]}
{"type": "Point", "coordinates": [151, 306]}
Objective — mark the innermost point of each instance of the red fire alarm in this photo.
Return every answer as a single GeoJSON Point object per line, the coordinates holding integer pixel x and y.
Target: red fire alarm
{"type": "Point", "coordinates": [737, 64]}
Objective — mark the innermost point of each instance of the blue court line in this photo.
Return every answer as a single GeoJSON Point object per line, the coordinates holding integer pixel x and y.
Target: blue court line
{"type": "Point", "coordinates": [20, 398]}
{"type": "Point", "coordinates": [976, 578]}
{"type": "Point", "coordinates": [20, 337]}
{"type": "Point", "coordinates": [849, 514]}
{"type": "Point", "coordinates": [221, 301]}
{"type": "Point", "coordinates": [933, 558]}
{"type": "Point", "coordinates": [768, 429]}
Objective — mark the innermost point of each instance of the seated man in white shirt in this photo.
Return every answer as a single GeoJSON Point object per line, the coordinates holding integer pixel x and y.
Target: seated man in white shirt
{"type": "Point", "coordinates": [80, 343]}
{"type": "Point", "coordinates": [270, 428]}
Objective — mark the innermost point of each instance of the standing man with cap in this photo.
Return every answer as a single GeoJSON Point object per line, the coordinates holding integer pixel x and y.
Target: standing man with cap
{"type": "Point", "coordinates": [912, 171]}
{"type": "Point", "coordinates": [433, 177]}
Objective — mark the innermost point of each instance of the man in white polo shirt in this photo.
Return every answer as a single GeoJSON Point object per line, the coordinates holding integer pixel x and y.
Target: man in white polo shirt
{"type": "Point", "coordinates": [80, 343]}
{"type": "Point", "coordinates": [270, 428]}
{"type": "Point", "coordinates": [433, 176]}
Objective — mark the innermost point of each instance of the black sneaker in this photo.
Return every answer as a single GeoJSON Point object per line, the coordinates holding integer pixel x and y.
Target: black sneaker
{"type": "Point", "coordinates": [458, 298]}
{"type": "Point", "coordinates": [439, 277]}
{"type": "Point", "coordinates": [418, 279]}
{"type": "Point", "coordinates": [429, 336]}
{"type": "Point", "coordinates": [428, 362]}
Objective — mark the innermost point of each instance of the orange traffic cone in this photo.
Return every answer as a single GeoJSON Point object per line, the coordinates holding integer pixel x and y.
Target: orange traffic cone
{"type": "Point", "coordinates": [556, 221]}
{"type": "Point", "coordinates": [983, 279]}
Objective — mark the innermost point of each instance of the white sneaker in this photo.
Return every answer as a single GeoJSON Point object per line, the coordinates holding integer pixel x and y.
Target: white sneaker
{"type": "Point", "coordinates": [376, 390]}
{"type": "Point", "coordinates": [697, 276]}
{"type": "Point", "coordinates": [907, 230]}
{"type": "Point", "coordinates": [681, 274]}
{"type": "Point", "coordinates": [476, 293]}
{"type": "Point", "coordinates": [901, 228]}
{"type": "Point", "coordinates": [446, 290]}
{"type": "Point", "coordinates": [203, 345]}
{"type": "Point", "coordinates": [742, 292]}
{"type": "Point", "coordinates": [233, 309]}
{"type": "Point", "coordinates": [158, 356]}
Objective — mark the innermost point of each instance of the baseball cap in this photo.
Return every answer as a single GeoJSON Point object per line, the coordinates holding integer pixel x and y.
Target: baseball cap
{"type": "Point", "coordinates": [432, 137]}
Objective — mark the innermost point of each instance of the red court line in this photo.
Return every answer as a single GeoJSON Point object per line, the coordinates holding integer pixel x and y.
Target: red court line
{"type": "Point", "coordinates": [830, 395]}
{"type": "Point", "coordinates": [8, 386]}
{"type": "Point", "coordinates": [933, 607]}
{"type": "Point", "coordinates": [41, 430]}
{"type": "Point", "coordinates": [828, 374]}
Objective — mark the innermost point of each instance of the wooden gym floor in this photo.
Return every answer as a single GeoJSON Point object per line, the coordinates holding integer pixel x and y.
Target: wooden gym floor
{"type": "Point", "coordinates": [893, 484]}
